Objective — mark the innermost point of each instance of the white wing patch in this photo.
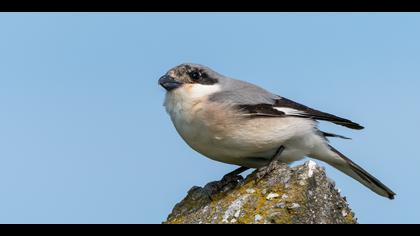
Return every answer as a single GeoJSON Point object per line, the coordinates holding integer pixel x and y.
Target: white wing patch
{"type": "Point", "coordinates": [289, 111]}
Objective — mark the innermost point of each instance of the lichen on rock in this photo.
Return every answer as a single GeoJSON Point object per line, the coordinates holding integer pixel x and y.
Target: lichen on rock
{"type": "Point", "coordinates": [286, 195]}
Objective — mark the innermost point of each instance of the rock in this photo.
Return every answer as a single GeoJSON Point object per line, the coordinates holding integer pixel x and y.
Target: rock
{"type": "Point", "coordinates": [272, 196]}
{"type": "Point", "coordinates": [298, 195]}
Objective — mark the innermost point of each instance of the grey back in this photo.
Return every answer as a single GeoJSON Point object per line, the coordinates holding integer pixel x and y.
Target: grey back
{"type": "Point", "coordinates": [241, 92]}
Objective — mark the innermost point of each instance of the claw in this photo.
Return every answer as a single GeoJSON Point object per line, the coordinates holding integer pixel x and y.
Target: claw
{"type": "Point", "coordinates": [265, 170]}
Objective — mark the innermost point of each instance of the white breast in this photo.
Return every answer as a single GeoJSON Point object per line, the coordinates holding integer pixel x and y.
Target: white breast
{"type": "Point", "coordinates": [185, 105]}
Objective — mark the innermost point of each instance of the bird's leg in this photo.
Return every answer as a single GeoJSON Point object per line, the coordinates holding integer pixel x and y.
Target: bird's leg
{"type": "Point", "coordinates": [263, 171]}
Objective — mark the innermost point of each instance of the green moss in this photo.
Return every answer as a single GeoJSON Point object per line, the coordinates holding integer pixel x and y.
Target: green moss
{"type": "Point", "coordinates": [350, 218]}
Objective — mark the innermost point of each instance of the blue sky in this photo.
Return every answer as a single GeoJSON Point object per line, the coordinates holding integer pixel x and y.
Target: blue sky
{"type": "Point", "coordinates": [84, 137]}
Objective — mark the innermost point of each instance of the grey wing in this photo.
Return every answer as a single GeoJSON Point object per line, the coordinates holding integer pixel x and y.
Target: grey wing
{"type": "Point", "coordinates": [263, 105]}
{"type": "Point", "coordinates": [254, 101]}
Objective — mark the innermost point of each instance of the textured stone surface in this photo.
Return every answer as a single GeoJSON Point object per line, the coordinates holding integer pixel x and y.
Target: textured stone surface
{"type": "Point", "coordinates": [302, 194]}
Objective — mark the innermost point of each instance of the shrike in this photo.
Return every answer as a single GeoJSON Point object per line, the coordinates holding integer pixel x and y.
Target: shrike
{"type": "Point", "coordinates": [239, 123]}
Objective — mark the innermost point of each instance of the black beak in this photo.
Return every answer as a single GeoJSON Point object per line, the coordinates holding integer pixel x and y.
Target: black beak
{"type": "Point", "coordinates": [169, 82]}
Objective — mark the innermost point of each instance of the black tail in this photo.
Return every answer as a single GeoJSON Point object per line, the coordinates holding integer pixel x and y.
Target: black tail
{"type": "Point", "coordinates": [352, 169]}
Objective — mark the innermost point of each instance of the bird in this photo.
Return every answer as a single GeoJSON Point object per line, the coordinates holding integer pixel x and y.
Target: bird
{"type": "Point", "coordinates": [239, 123]}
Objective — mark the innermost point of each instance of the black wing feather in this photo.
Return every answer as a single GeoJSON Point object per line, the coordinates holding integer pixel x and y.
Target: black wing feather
{"type": "Point", "coordinates": [315, 114]}
{"type": "Point", "coordinates": [268, 110]}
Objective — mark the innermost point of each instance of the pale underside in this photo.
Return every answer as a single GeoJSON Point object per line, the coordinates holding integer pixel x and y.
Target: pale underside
{"type": "Point", "coordinates": [222, 134]}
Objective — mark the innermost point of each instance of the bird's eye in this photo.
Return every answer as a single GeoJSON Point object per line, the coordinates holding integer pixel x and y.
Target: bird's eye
{"type": "Point", "coordinates": [195, 75]}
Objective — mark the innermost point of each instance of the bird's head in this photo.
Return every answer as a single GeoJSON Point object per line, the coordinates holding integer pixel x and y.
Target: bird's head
{"type": "Point", "coordinates": [188, 74]}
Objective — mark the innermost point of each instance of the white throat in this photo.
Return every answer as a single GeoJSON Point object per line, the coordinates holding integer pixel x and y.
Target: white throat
{"type": "Point", "coordinates": [183, 102]}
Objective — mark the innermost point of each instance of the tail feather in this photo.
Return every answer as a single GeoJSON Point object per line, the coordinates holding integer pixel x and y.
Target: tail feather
{"type": "Point", "coordinates": [358, 173]}
{"type": "Point", "coordinates": [330, 155]}
{"type": "Point", "coordinates": [325, 134]}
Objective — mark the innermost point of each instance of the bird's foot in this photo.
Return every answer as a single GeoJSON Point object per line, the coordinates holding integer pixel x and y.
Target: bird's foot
{"type": "Point", "coordinates": [228, 181]}
{"type": "Point", "coordinates": [265, 170]}
{"type": "Point", "coordinates": [262, 172]}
